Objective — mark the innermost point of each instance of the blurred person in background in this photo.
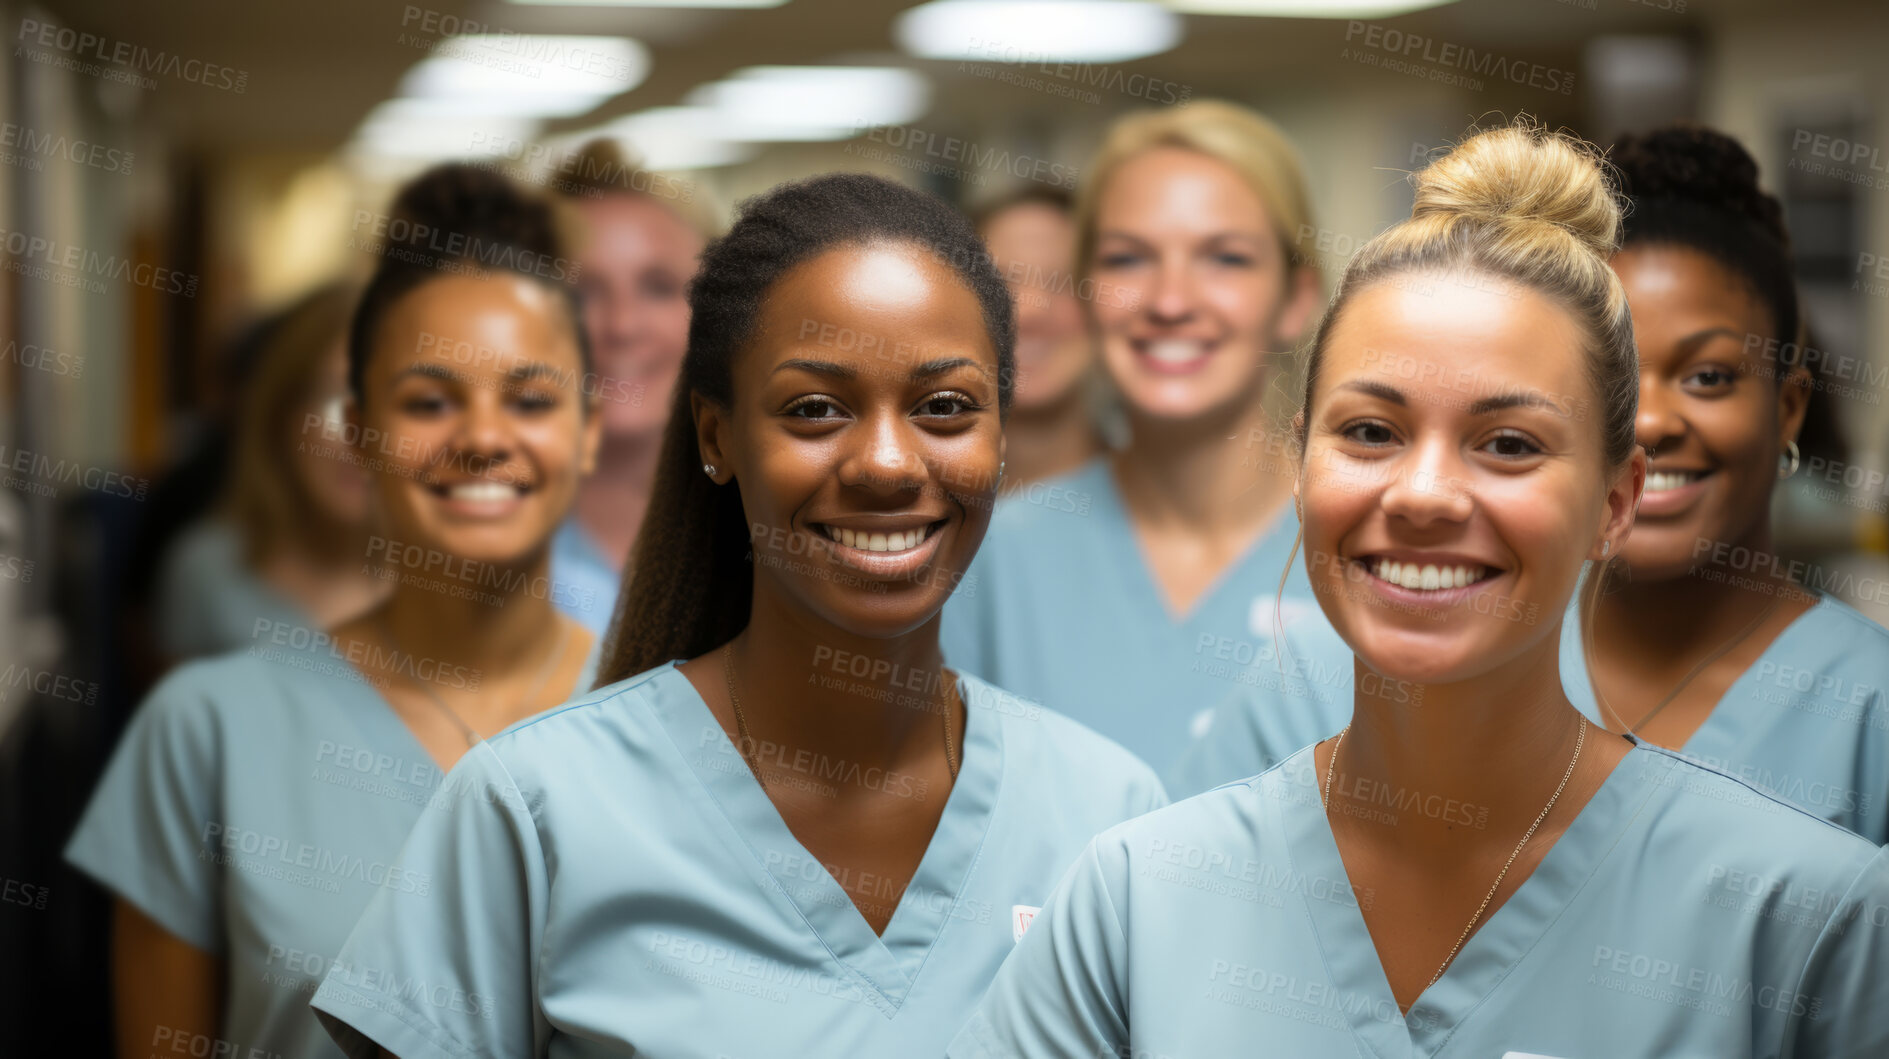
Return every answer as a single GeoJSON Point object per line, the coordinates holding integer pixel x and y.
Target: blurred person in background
{"type": "Point", "coordinates": [286, 539]}
{"type": "Point", "coordinates": [1137, 591]}
{"type": "Point", "coordinates": [641, 235]}
{"type": "Point", "coordinates": [735, 847]}
{"type": "Point", "coordinates": [1052, 428]}
{"type": "Point", "coordinates": [259, 799]}
{"type": "Point", "coordinates": [1702, 642]}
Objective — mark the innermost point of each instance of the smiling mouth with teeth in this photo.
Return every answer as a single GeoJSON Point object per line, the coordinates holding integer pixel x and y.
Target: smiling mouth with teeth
{"type": "Point", "coordinates": [1666, 481]}
{"type": "Point", "coordinates": [1426, 577]}
{"type": "Point", "coordinates": [479, 491]}
{"type": "Point", "coordinates": [864, 541]}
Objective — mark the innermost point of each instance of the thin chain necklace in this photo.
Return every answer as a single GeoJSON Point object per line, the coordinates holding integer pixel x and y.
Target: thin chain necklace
{"type": "Point", "coordinates": [1687, 679]}
{"type": "Point", "coordinates": [473, 737]}
{"type": "Point", "coordinates": [1580, 739]}
{"type": "Point", "coordinates": [747, 741]}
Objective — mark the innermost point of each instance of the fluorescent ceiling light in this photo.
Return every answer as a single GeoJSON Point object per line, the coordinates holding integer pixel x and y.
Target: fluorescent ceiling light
{"type": "Point", "coordinates": [400, 129]}
{"type": "Point", "coordinates": [1306, 8]}
{"type": "Point", "coordinates": [671, 138]}
{"type": "Point", "coordinates": [650, 3]}
{"type": "Point", "coordinates": [806, 103]}
{"type": "Point", "coordinates": [1026, 31]}
{"type": "Point", "coordinates": [519, 73]}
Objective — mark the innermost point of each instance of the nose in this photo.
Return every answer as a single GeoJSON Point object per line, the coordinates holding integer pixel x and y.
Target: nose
{"type": "Point", "coordinates": [484, 435]}
{"type": "Point", "coordinates": [1172, 299]}
{"type": "Point", "coordinates": [1658, 422]}
{"type": "Point", "coordinates": [1429, 487]}
{"type": "Point", "coordinates": [881, 457]}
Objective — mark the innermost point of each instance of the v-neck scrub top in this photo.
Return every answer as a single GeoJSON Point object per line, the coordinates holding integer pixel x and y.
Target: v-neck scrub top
{"type": "Point", "coordinates": [1682, 913]}
{"type": "Point", "coordinates": [625, 886]}
{"type": "Point", "coordinates": [255, 803]}
{"type": "Point", "coordinates": [1808, 721]}
{"type": "Point", "coordinates": [1061, 607]}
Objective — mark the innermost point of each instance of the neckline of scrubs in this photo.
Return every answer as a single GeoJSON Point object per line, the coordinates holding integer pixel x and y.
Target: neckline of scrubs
{"type": "Point", "coordinates": [1504, 936]}
{"type": "Point", "coordinates": [1113, 507]}
{"type": "Point", "coordinates": [1736, 714]}
{"type": "Point", "coordinates": [890, 963]}
{"type": "Point", "coordinates": [371, 706]}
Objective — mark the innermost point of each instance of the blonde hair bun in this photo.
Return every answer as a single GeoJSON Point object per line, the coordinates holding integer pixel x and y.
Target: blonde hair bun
{"type": "Point", "coordinates": [1523, 175]}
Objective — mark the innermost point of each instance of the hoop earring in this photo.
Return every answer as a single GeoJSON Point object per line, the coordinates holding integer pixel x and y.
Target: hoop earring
{"type": "Point", "coordinates": [1790, 453]}
{"type": "Point", "coordinates": [1606, 548]}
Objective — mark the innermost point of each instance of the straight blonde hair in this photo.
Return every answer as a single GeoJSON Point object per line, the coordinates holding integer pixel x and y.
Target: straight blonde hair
{"type": "Point", "coordinates": [1239, 138]}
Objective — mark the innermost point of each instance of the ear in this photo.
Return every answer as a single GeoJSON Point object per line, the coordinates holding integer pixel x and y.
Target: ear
{"type": "Point", "coordinates": [1304, 297]}
{"type": "Point", "coordinates": [1623, 501]}
{"type": "Point", "coordinates": [711, 430]}
{"type": "Point", "coordinates": [1793, 400]}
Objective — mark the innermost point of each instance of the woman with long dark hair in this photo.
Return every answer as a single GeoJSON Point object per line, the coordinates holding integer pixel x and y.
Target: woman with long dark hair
{"type": "Point", "coordinates": [782, 827]}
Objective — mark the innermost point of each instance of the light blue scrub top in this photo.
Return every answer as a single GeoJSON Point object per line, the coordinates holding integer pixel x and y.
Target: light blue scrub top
{"type": "Point", "coordinates": [1061, 607]}
{"type": "Point", "coordinates": [1291, 698]}
{"type": "Point", "coordinates": [583, 583]}
{"type": "Point", "coordinates": [208, 600]}
{"type": "Point", "coordinates": [254, 805]}
{"type": "Point", "coordinates": [1682, 913]}
{"type": "Point", "coordinates": [623, 885]}
{"type": "Point", "coordinates": [1808, 721]}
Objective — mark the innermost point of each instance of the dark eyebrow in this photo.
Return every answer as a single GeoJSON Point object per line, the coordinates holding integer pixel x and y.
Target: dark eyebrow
{"type": "Point", "coordinates": [1381, 391]}
{"type": "Point", "coordinates": [431, 371]}
{"type": "Point", "coordinates": [1515, 399]}
{"type": "Point", "coordinates": [537, 369]}
{"type": "Point", "coordinates": [816, 367]}
{"type": "Point", "coordinates": [1697, 338]}
{"type": "Point", "coordinates": [940, 366]}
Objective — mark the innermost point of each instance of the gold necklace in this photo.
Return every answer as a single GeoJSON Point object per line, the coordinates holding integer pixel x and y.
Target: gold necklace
{"type": "Point", "coordinates": [747, 741]}
{"type": "Point", "coordinates": [472, 736]}
{"type": "Point", "coordinates": [1580, 738]}
{"type": "Point", "coordinates": [1587, 634]}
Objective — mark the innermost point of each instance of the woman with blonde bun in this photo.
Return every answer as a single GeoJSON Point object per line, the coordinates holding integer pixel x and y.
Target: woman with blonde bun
{"type": "Point", "coordinates": [1138, 590]}
{"type": "Point", "coordinates": [1487, 874]}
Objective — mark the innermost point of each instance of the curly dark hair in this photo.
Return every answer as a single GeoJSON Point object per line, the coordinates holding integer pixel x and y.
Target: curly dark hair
{"type": "Point", "coordinates": [457, 219]}
{"type": "Point", "coordinates": [689, 587]}
{"type": "Point", "coordinates": [1697, 188]}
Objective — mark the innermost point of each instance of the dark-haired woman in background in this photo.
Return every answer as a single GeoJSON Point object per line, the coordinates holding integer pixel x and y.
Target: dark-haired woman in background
{"type": "Point", "coordinates": [1701, 642]}
{"type": "Point", "coordinates": [1052, 428]}
{"type": "Point", "coordinates": [259, 799]}
{"type": "Point", "coordinates": [809, 838]}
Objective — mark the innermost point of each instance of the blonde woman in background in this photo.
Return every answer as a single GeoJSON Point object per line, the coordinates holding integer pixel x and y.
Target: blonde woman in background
{"type": "Point", "coordinates": [1139, 589]}
{"type": "Point", "coordinates": [1552, 889]}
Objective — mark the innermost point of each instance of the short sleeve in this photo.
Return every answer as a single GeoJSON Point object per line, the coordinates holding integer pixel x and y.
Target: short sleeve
{"type": "Point", "coordinates": [1062, 991]}
{"type": "Point", "coordinates": [145, 833]}
{"type": "Point", "coordinates": [1841, 1007]}
{"type": "Point", "coordinates": [442, 964]}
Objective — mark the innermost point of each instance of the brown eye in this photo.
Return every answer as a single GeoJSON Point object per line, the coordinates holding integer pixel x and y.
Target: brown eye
{"type": "Point", "coordinates": [1368, 432]}
{"type": "Point", "coordinates": [814, 408]}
